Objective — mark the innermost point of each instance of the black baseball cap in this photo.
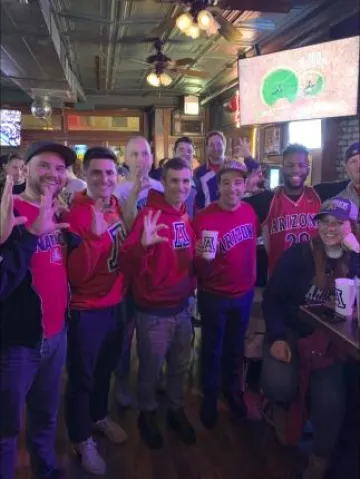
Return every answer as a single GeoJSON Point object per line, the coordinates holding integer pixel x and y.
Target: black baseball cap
{"type": "Point", "coordinates": [353, 150]}
{"type": "Point", "coordinates": [38, 147]}
{"type": "Point", "coordinates": [99, 152]}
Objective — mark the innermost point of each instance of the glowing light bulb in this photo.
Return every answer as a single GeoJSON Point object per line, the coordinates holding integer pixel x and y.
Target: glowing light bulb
{"type": "Point", "coordinates": [153, 79]}
{"type": "Point", "coordinates": [165, 79]}
{"type": "Point", "coordinates": [193, 31]}
{"type": "Point", "coordinates": [184, 21]}
{"type": "Point", "coordinates": [205, 20]}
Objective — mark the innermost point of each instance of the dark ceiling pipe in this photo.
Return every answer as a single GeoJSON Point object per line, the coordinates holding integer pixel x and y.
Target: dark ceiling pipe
{"type": "Point", "coordinates": [219, 92]}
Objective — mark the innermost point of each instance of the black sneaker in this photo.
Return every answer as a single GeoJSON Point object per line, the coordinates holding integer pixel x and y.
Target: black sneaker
{"type": "Point", "coordinates": [237, 404]}
{"type": "Point", "coordinates": [178, 421]}
{"type": "Point", "coordinates": [149, 429]}
{"type": "Point", "coordinates": [209, 413]}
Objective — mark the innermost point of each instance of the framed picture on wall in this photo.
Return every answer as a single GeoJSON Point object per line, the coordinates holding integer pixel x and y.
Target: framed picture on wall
{"type": "Point", "coordinates": [272, 140]}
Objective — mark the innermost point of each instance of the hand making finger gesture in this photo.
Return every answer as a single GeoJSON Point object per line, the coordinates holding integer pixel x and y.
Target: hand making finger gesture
{"type": "Point", "coordinates": [141, 182]}
{"type": "Point", "coordinates": [99, 225]}
{"type": "Point", "coordinates": [7, 219]}
{"type": "Point", "coordinates": [45, 223]}
{"type": "Point", "coordinates": [242, 149]}
{"type": "Point", "coordinates": [151, 229]}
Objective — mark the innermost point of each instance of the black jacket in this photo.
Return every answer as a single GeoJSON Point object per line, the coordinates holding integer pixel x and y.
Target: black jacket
{"type": "Point", "coordinates": [288, 288]}
{"type": "Point", "coordinates": [20, 306]}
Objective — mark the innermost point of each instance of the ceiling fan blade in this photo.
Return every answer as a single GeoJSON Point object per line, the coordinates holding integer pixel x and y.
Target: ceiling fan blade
{"type": "Point", "coordinates": [139, 61]}
{"type": "Point", "coordinates": [183, 62]}
{"type": "Point", "coordinates": [276, 6]}
{"type": "Point", "coordinates": [190, 73]}
{"type": "Point", "coordinates": [227, 29]}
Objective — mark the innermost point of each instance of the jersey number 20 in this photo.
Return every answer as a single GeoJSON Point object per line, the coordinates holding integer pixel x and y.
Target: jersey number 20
{"type": "Point", "coordinates": [292, 238]}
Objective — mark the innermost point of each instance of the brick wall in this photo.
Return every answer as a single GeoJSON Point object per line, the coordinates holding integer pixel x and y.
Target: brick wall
{"type": "Point", "coordinates": [349, 132]}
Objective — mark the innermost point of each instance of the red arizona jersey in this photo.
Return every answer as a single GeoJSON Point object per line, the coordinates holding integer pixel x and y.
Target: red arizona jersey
{"type": "Point", "coordinates": [48, 270]}
{"type": "Point", "coordinates": [289, 222]}
{"type": "Point", "coordinates": [94, 268]}
{"type": "Point", "coordinates": [233, 271]}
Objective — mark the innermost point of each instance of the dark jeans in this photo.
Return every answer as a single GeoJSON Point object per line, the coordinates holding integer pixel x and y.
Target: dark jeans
{"type": "Point", "coordinates": [94, 343]}
{"type": "Point", "coordinates": [327, 394]}
{"type": "Point", "coordinates": [31, 377]}
{"type": "Point", "coordinates": [223, 326]}
{"type": "Point", "coordinates": [122, 371]}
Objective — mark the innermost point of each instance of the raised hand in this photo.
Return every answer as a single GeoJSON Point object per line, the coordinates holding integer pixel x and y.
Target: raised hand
{"type": "Point", "coordinates": [7, 219]}
{"type": "Point", "coordinates": [242, 149]}
{"type": "Point", "coordinates": [45, 223]}
{"type": "Point", "coordinates": [150, 234]}
{"type": "Point", "coordinates": [141, 182]}
{"type": "Point", "coordinates": [98, 225]}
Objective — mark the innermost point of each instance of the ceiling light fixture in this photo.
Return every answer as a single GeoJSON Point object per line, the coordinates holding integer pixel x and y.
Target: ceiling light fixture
{"type": "Point", "coordinates": [193, 31]}
{"type": "Point", "coordinates": [191, 23]}
{"type": "Point", "coordinates": [165, 79]}
{"type": "Point", "coordinates": [153, 79]}
{"type": "Point", "coordinates": [157, 80]}
{"type": "Point", "coordinates": [184, 21]}
{"type": "Point", "coordinates": [204, 20]}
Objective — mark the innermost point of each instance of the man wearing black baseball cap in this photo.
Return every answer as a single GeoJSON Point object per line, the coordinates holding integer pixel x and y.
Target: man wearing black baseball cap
{"type": "Point", "coordinates": [39, 147]}
{"type": "Point", "coordinates": [33, 312]}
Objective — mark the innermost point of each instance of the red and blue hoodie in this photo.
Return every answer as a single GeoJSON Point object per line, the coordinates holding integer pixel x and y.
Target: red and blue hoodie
{"type": "Point", "coordinates": [162, 275]}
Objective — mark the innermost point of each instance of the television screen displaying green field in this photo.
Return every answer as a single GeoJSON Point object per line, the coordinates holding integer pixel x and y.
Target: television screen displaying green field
{"type": "Point", "coordinates": [318, 81]}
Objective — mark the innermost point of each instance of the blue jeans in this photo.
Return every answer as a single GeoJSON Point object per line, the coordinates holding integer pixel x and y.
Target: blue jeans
{"type": "Point", "coordinates": [223, 326]}
{"type": "Point", "coordinates": [31, 377]}
{"type": "Point", "coordinates": [327, 394]}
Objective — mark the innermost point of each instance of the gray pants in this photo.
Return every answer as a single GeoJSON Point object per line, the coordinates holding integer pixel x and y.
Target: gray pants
{"type": "Point", "coordinates": [161, 339]}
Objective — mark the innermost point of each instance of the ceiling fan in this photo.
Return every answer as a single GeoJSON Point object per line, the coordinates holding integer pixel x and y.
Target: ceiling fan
{"type": "Point", "coordinates": [216, 9]}
{"type": "Point", "coordinates": [161, 63]}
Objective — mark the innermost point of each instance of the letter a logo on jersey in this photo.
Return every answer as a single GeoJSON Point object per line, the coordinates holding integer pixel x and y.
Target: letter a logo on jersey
{"type": "Point", "coordinates": [181, 238]}
{"type": "Point", "coordinates": [209, 244]}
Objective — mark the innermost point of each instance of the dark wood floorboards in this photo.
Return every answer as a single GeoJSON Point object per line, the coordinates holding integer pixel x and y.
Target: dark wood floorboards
{"type": "Point", "coordinates": [233, 450]}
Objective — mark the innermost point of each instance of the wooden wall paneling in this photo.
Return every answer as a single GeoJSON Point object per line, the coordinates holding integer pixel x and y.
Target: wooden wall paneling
{"type": "Point", "coordinates": [330, 137]}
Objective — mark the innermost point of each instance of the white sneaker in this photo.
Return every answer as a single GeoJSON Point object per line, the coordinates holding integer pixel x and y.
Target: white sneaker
{"type": "Point", "coordinates": [111, 429]}
{"type": "Point", "coordinates": [90, 459]}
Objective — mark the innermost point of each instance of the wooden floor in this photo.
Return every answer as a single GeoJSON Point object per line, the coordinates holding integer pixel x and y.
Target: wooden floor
{"type": "Point", "coordinates": [233, 450]}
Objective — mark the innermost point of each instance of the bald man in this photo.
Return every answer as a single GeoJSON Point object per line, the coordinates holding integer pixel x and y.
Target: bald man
{"type": "Point", "coordinates": [132, 193]}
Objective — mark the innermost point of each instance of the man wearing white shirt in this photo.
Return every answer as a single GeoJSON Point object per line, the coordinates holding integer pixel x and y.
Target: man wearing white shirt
{"type": "Point", "coordinates": [73, 185]}
{"type": "Point", "coordinates": [132, 194]}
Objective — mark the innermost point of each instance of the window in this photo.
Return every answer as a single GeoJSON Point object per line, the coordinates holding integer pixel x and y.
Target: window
{"type": "Point", "coordinates": [307, 133]}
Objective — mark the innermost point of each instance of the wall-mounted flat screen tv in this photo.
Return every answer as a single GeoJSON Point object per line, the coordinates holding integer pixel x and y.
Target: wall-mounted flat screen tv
{"type": "Point", "coordinates": [10, 128]}
{"type": "Point", "coordinates": [318, 81]}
